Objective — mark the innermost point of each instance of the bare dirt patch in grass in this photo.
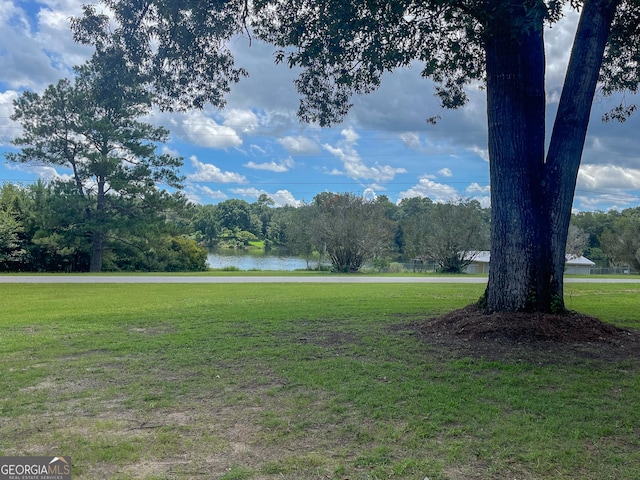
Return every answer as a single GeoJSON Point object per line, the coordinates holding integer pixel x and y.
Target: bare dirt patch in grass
{"type": "Point", "coordinates": [535, 337]}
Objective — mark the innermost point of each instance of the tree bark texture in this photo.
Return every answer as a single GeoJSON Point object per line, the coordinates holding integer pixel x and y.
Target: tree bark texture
{"type": "Point", "coordinates": [516, 113]}
{"type": "Point", "coordinates": [572, 121]}
{"type": "Point", "coordinates": [532, 197]}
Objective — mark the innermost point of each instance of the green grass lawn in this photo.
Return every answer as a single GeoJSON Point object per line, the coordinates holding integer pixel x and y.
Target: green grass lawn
{"type": "Point", "coordinates": [301, 381]}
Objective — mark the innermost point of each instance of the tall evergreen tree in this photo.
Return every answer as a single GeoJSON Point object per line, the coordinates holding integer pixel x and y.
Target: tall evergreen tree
{"type": "Point", "coordinates": [91, 128]}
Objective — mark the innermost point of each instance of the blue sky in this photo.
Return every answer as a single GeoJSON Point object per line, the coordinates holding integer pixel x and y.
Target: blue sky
{"type": "Point", "coordinates": [257, 145]}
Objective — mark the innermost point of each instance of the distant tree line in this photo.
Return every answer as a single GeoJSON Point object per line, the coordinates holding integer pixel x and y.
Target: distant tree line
{"type": "Point", "coordinates": [610, 238]}
{"type": "Point", "coordinates": [348, 230]}
{"type": "Point", "coordinates": [44, 228]}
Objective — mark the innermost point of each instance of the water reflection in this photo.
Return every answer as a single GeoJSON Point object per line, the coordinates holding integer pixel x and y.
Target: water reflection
{"type": "Point", "coordinates": [254, 260]}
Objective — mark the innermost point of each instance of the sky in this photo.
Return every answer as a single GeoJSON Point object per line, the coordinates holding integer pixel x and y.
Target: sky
{"type": "Point", "coordinates": [257, 145]}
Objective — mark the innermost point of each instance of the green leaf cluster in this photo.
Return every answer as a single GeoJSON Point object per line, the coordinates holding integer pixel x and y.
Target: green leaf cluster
{"type": "Point", "coordinates": [44, 228]}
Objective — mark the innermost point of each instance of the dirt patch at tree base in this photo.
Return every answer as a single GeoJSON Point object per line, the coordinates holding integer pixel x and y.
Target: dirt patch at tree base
{"type": "Point", "coordinates": [531, 337]}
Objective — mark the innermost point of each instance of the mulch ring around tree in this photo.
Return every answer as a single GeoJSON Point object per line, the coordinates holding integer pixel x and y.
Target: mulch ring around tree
{"type": "Point", "coordinates": [529, 337]}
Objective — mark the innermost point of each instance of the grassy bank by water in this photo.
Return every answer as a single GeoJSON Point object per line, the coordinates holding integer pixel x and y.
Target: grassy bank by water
{"type": "Point", "coordinates": [301, 381]}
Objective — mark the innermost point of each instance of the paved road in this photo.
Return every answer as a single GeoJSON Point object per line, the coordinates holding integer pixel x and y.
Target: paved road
{"type": "Point", "coordinates": [269, 279]}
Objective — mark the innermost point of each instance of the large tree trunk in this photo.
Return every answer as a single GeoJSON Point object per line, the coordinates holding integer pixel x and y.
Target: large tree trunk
{"type": "Point", "coordinates": [532, 199]}
{"type": "Point", "coordinates": [520, 246]}
{"type": "Point", "coordinates": [570, 127]}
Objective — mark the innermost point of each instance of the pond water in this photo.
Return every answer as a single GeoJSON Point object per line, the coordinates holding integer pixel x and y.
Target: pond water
{"type": "Point", "coordinates": [255, 260]}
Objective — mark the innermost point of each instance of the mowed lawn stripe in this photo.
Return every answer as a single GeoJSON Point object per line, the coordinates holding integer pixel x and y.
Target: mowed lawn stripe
{"type": "Point", "coordinates": [300, 381]}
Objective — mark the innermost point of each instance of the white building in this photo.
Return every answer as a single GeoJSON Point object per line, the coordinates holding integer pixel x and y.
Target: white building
{"type": "Point", "coordinates": [578, 265]}
{"type": "Point", "coordinates": [575, 265]}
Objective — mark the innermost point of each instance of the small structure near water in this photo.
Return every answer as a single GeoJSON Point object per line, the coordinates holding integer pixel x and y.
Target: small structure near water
{"type": "Point", "coordinates": [574, 265]}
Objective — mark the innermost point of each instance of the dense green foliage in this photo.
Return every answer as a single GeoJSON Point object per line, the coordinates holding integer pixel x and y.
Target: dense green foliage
{"type": "Point", "coordinates": [448, 233]}
{"type": "Point", "coordinates": [350, 230]}
{"type": "Point", "coordinates": [621, 241]}
{"type": "Point", "coordinates": [41, 230]}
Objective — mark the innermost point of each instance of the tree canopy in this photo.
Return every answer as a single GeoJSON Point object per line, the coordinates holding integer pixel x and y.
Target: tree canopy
{"type": "Point", "coordinates": [343, 47]}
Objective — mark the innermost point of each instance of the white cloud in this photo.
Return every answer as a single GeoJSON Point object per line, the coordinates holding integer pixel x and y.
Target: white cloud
{"type": "Point", "coordinates": [558, 40]}
{"type": "Point", "coordinates": [445, 172]}
{"type": "Point", "coordinates": [483, 153]}
{"type": "Point", "coordinates": [607, 187]}
{"type": "Point", "coordinates": [24, 64]}
{"type": "Point", "coordinates": [12, 15]}
{"type": "Point", "coordinates": [376, 188]}
{"type": "Point", "coordinates": [426, 187]}
{"type": "Point", "coordinates": [257, 150]}
{"type": "Point", "coordinates": [354, 167]}
{"type": "Point", "coordinates": [240, 119]}
{"type": "Point", "coordinates": [207, 172]}
{"type": "Point", "coordinates": [169, 151]}
{"type": "Point", "coordinates": [284, 166]}
{"type": "Point", "coordinates": [202, 194]}
{"type": "Point", "coordinates": [44, 172]}
{"type": "Point", "coordinates": [55, 36]}
{"type": "Point", "coordinates": [8, 128]}
{"type": "Point", "coordinates": [606, 201]}
{"type": "Point", "coordinates": [38, 50]}
{"type": "Point", "coordinates": [443, 146]}
{"type": "Point", "coordinates": [608, 177]}
{"type": "Point", "coordinates": [217, 194]}
{"type": "Point", "coordinates": [281, 197]}
{"type": "Point", "coordinates": [204, 131]}
{"type": "Point", "coordinates": [247, 191]}
{"type": "Point", "coordinates": [475, 188]}
{"type": "Point", "coordinates": [415, 142]}
{"type": "Point", "coordinates": [284, 197]}
{"type": "Point", "coordinates": [350, 135]}
{"type": "Point", "coordinates": [479, 193]}
{"type": "Point", "coordinates": [484, 200]}
{"type": "Point", "coordinates": [411, 140]}
{"type": "Point", "coordinates": [299, 145]}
